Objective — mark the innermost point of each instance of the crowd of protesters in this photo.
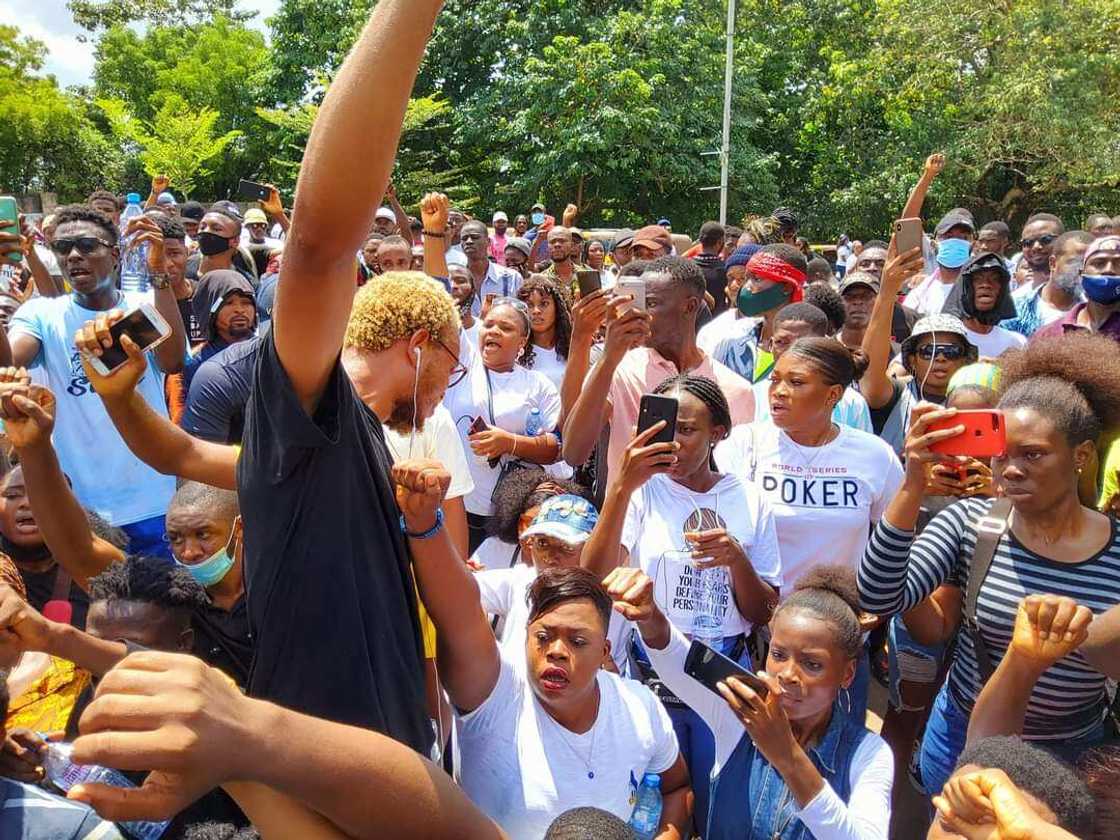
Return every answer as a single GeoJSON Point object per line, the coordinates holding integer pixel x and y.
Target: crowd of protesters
{"type": "Point", "coordinates": [380, 538]}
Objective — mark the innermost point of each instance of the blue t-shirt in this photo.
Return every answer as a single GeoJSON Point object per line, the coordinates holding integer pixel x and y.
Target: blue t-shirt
{"type": "Point", "coordinates": [106, 476]}
{"type": "Point", "coordinates": [29, 813]}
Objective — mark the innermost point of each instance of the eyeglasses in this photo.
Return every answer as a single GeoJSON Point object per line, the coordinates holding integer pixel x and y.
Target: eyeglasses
{"type": "Point", "coordinates": [86, 245]}
{"type": "Point", "coordinates": [1044, 240]}
{"type": "Point", "coordinates": [948, 352]}
{"type": "Point", "coordinates": [459, 371]}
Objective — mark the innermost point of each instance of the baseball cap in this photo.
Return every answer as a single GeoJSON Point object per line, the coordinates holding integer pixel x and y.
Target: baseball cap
{"type": "Point", "coordinates": [664, 223]}
{"type": "Point", "coordinates": [941, 324]}
{"type": "Point", "coordinates": [957, 217]}
{"type": "Point", "coordinates": [255, 216]}
{"type": "Point", "coordinates": [386, 213]}
{"type": "Point", "coordinates": [537, 206]}
{"type": "Point", "coordinates": [166, 198]}
{"type": "Point", "coordinates": [227, 208]}
{"type": "Point", "coordinates": [622, 238]}
{"type": "Point", "coordinates": [568, 518]}
{"type": "Point", "coordinates": [500, 217]}
{"type": "Point", "coordinates": [521, 244]}
{"type": "Point", "coordinates": [1104, 243]}
{"type": "Point", "coordinates": [654, 236]}
{"type": "Point", "coordinates": [859, 278]}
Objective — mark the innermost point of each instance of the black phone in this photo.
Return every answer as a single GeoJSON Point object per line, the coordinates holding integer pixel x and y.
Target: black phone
{"type": "Point", "coordinates": [253, 191]}
{"type": "Point", "coordinates": [710, 667]}
{"type": "Point", "coordinates": [654, 408]}
{"type": "Point", "coordinates": [589, 282]}
{"type": "Point", "coordinates": [479, 425]}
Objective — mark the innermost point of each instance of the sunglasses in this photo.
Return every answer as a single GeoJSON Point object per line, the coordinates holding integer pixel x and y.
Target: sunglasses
{"type": "Point", "coordinates": [948, 352]}
{"type": "Point", "coordinates": [86, 245]}
{"type": "Point", "coordinates": [1045, 239]}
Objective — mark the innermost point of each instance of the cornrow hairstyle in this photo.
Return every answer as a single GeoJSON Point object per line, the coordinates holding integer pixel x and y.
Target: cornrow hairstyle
{"type": "Point", "coordinates": [830, 593]}
{"type": "Point", "coordinates": [836, 364]}
{"type": "Point", "coordinates": [764, 230]}
{"type": "Point", "coordinates": [81, 213]}
{"type": "Point", "coordinates": [561, 302]}
{"type": "Point", "coordinates": [786, 218]}
{"type": "Point", "coordinates": [555, 586]}
{"type": "Point", "coordinates": [150, 580]}
{"type": "Point", "coordinates": [1050, 376]}
{"type": "Point", "coordinates": [806, 313]}
{"type": "Point", "coordinates": [828, 301]}
{"type": "Point", "coordinates": [709, 393]}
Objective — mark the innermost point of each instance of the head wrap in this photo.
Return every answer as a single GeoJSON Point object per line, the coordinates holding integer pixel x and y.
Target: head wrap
{"type": "Point", "coordinates": [1104, 243]}
{"type": "Point", "coordinates": [765, 266]}
{"type": "Point", "coordinates": [978, 374]}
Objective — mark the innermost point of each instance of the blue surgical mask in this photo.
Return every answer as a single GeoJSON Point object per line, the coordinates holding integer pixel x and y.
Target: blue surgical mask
{"type": "Point", "coordinates": [538, 218]}
{"type": "Point", "coordinates": [1101, 288]}
{"type": "Point", "coordinates": [953, 253]}
{"type": "Point", "coordinates": [211, 571]}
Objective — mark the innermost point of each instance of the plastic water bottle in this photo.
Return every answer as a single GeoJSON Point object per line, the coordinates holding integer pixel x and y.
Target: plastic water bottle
{"type": "Point", "coordinates": [134, 260]}
{"type": "Point", "coordinates": [533, 423]}
{"type": "Point", "coordinates": [64, 774]}
{"type": "Point", "coordinates": [707, 608]}
{"type": "Point", "coordinates": [646, 818]}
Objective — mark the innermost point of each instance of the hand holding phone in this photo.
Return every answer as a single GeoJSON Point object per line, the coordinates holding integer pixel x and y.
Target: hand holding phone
{"type": "Point", "coordinates": [984, 435]}
{"type": "Point", "coordinates": [589, 282]}
{"type": "Point", "coordinates": [654, 408]}
{"type": "Point", "coordinates": [635, 288]}
{"type": "Point", "coordinates": [144, 326]}
{"type": "Point", "coordinates": [253, 190]}
{"type": "Point", "coordinates": [907, 234]}
{"type": "Point", "coordinates": [11, 245]}
{"type": "Point", "coordinates": [710, 667]}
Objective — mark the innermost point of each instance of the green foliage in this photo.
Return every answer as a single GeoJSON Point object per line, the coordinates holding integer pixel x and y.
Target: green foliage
{"type": "Point", "coordinates": [179, 141]}
{"type": "Point", "coordinates": [94, 15]}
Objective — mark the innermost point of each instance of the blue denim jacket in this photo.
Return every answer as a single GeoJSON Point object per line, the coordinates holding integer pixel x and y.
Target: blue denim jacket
{"type": "Point", "coordinates": [750, 800]}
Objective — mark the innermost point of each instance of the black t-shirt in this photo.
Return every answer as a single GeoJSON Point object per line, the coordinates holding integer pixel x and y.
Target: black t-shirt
{"type": "Point", "coordinates": [223, 639]}
{"type": "Point", "coordinates": [715, 279]}
{"type": "Point", "coordinates": [40, 589]}
{"type": "Point", "coordinates": [903, 319]}
{"type": "Point", "coordinates": [332, 605]}
{"type": "Point", "coordinates": [219, 392]}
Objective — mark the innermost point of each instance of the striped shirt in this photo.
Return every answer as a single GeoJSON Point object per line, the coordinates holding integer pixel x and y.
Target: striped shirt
{"type": "Point", "coordinates": [899, 571]}
{"type": "Point", "coordinates": [28, 813]}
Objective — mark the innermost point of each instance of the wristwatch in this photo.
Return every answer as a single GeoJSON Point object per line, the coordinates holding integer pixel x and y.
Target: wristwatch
{"type": "Point", "coordinates": [159, 281]}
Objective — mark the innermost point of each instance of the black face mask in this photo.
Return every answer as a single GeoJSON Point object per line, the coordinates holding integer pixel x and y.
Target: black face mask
{"type": "Point", "coordinates": [212, 243]}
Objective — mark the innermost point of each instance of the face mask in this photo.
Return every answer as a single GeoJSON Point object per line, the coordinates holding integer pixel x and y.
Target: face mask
{"type": "Point", "coordinates": [953, 253]}
{"type": "Point", "coordinates": [212, 243]}
{"type": "Point", "coordinates": [538, 218]}
{"type": "Point", "coordinates": [755, 304]}
{"type": "Point", "coordinates": [1101, 288]}
{"type": "Point", "coordinates": [211, 571]}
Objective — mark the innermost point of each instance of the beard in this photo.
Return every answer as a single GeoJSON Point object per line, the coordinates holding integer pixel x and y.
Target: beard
{"type": "Point", "coordinates": [430, 392]}
{"type": "Point", "coordinates": [1068, 281]}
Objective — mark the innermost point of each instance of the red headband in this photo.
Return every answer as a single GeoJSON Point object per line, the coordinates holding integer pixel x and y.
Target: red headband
{"type": "Point", "coordinates": [765, 266]}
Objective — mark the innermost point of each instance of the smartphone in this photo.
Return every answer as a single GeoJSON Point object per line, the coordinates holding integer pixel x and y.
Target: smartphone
{"type": "Point", "coordinates": [984, 435]}
{"type": "Point", "coordinates": [144, 326]}
{"type": "Point", "coordinates": [479, 425]}
{"type": "Point", "coordinates": [710, 667]}
{"type": "Point", "coordinates": [9, 223]}
{"type": "Point", "coordinates": [907, 235]}
{"type": "Point", "coordinates": [253, 191]}
{"type": "Point", "coordinates": [488, 301]}
{"type": "Point", "coordinates": [589, 282]}
{"type": "Point", "coordinates": [654, 408]}
{"type": "Point", "coordinates": [635, 287]}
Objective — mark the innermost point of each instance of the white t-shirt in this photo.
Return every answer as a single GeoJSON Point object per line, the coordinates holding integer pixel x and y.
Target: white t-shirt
{"type": "Point", "coordinates": [515, 394]}
{"type": "Point", "coordinates": [993, 344]}
{"type": "Point", "coordinates": [547, 361]}
{"type": "Point", "coordinates": [106, 476]}
{"type": "Point", "coordinates": [725, 326]}
{"type": "Point", "coordinates": [662, 511]}
{"type": "Point", "coordinates": [470, 336]}
{"type": "Point", "coordinates": [867, 814]}
{"type": "Point", "coordinates": [438, 441]}
{"type": "Point", "coordinates": [495, 554]}
{"type": "Point", "coordinates": [523, 769]}
{"type": "Point", "coordinates": [504, 593]}
{"type": "Point", "coordinates": [929, 296]}
{"type": "Point", "coordinates": [825, 499]}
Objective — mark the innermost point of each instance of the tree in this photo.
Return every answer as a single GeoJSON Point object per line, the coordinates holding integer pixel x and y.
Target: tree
{"type": "Point", "coordinates": [179, 142]}
{"type": "Point", "coordinates": [97, 15]}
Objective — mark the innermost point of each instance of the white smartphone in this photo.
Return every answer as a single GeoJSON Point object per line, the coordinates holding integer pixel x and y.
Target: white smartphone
{"type": "Point", "coordinates": [143, 325]}
{"type": "Point", "coordinates": [635, 287]}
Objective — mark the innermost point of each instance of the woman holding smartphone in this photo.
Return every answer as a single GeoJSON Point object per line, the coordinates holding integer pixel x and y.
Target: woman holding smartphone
{"type": "Point", "coordinates": [497, 405]}
{"type": "Point", "coordinates": [550, 315]}
{"type": "Point", "coordinates": [1055, 407]}
{"type": "Point", "coordinates": [789, 762]}
{"type": "Point", "coordinates": [669, 512]}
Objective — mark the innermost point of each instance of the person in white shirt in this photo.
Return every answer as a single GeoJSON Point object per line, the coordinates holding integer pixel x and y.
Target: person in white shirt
{"type": "Point", "coordinates": [493, 405]}
{"type": "Point", "coordinates": [955, 234]}
{"type": "Point", "coordinates": [550, 312]}
{"type": "Point", "coordinates": [981, 298]}
{"type": "Point", "coordinates": [554, 539]}
{"type": "Point", "coordinates": [669, 512]}
{"type": "Point", "coordinates": [554, 731]}
{"type": "Point", "coordinates": [790, 761]}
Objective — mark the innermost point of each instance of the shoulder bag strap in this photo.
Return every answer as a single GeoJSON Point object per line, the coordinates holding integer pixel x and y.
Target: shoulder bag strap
{"type": "Point", "coordinates": [989, 531]}
{"type": "Point", "coordinates": [489, 396]}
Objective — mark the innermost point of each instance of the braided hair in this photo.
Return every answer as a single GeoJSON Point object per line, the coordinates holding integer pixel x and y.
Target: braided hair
{"type": "Point", "coordinates": [709, 393]}
{"type": "Point", "coordinates": [561, 302]}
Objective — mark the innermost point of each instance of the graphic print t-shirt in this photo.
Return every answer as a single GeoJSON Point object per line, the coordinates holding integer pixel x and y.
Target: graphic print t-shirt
{"type": "Point", "coordinates": [825, 498]}
{"type": "Point", "coordinates": [658, 517]}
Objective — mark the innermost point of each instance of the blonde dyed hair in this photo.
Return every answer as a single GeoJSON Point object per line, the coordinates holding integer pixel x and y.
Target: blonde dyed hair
{"type": "Point", "coordinates": [395, 305]}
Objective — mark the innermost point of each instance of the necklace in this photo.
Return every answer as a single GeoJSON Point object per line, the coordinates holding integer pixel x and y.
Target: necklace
{"type": "Point", "coordinates": [833, 433]}
{"type": "Point", "coordinates": [589, 761]}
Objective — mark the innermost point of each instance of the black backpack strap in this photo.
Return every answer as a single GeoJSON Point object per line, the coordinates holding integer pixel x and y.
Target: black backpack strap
{"type": "Point", "coordinates": [989, 531]}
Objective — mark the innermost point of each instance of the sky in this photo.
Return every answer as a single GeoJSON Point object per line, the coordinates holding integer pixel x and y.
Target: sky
{"type": "Point", "coordinates": [68, 59]}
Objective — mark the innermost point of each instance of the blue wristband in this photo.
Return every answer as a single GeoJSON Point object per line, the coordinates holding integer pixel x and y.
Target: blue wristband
{"type": "Point", "coordinates": [431, 532]}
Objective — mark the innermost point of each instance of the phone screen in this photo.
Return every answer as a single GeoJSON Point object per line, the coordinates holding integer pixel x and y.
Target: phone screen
{"type": "Point", "coordinates": [136, 326]}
